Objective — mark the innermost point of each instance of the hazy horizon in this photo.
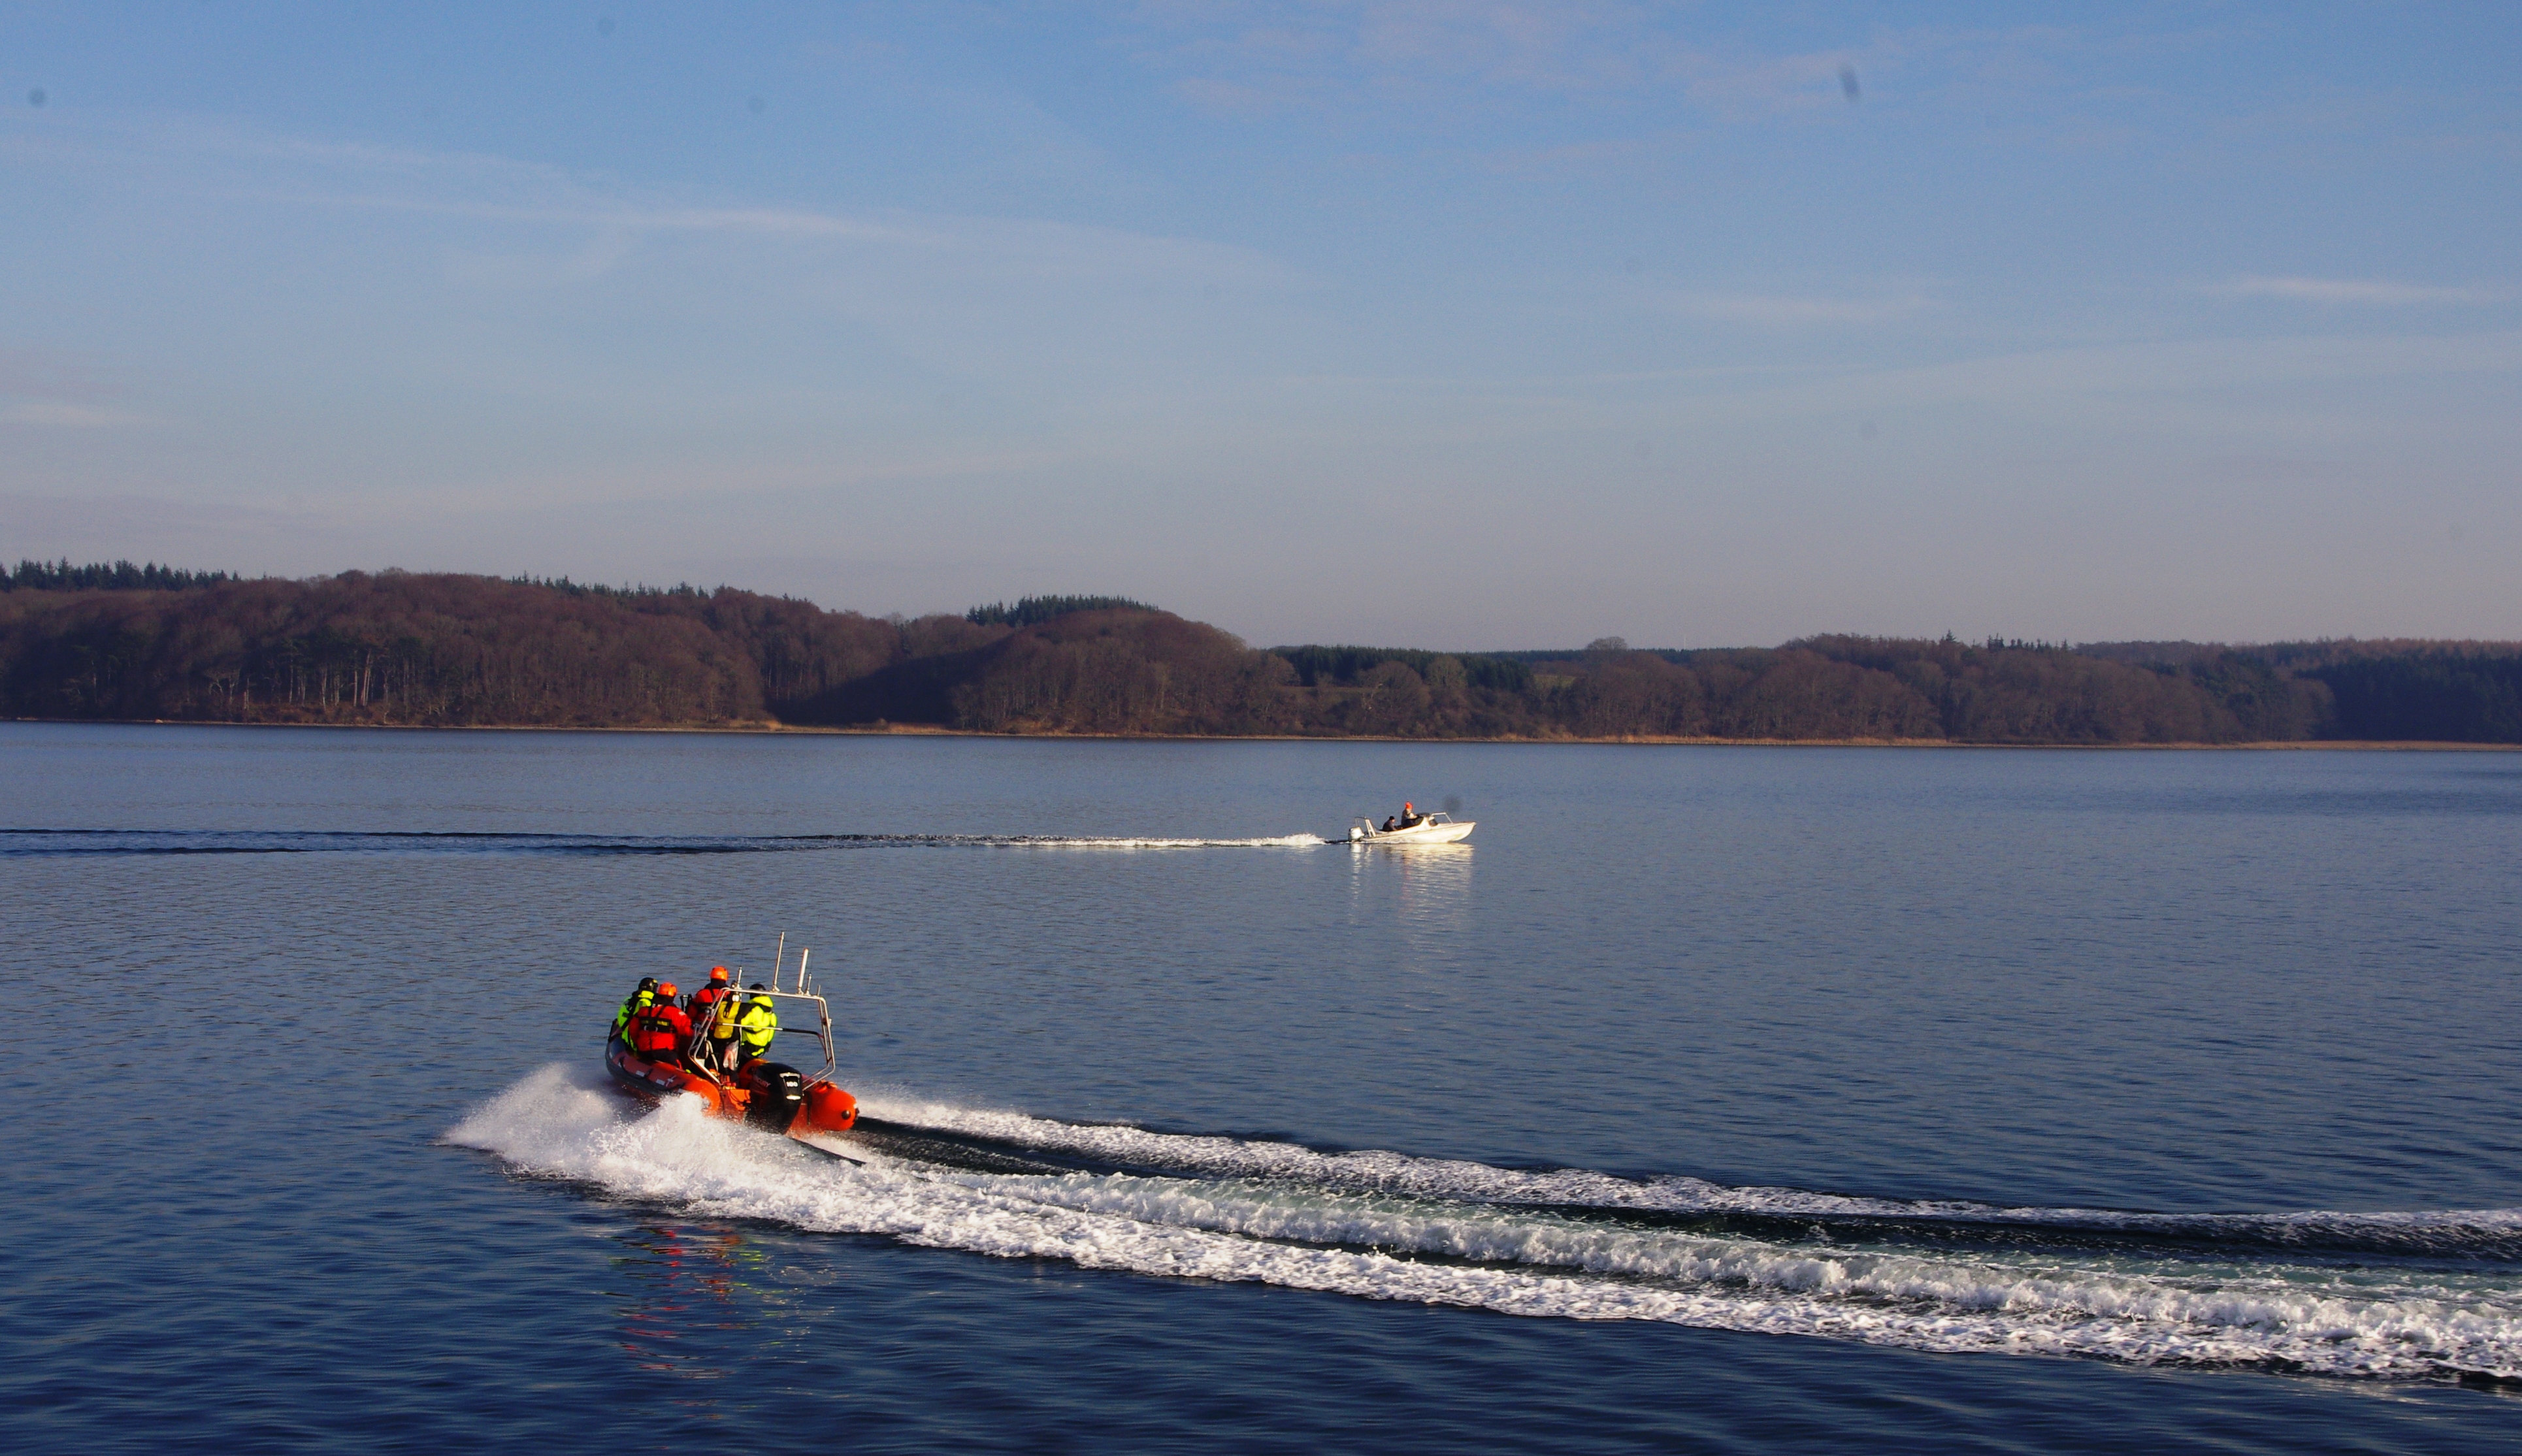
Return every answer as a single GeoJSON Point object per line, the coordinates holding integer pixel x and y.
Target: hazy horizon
{"type": "Point", "coordinates": [1460, 326]}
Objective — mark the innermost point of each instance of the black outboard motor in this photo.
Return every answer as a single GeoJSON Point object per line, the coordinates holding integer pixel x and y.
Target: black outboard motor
{"type": "Point", "coordinates": [779, 1095]}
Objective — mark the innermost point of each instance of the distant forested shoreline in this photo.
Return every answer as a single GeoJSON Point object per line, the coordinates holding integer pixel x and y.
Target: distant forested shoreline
{"type": "Point", "coordinates": [120, 642]}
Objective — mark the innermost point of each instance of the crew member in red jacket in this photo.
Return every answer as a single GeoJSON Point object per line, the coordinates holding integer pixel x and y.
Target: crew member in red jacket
{"type": "Point", "coordinates": [658, 1033]}
{"type": "Point", "coordinates": [705, 1000]}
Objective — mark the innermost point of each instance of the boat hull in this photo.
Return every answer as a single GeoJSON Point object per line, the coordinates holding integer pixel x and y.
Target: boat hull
{"type": "Point", "coordinates": [818, 1106]}
{"type": "Point", "coordinates": [1424, 834]}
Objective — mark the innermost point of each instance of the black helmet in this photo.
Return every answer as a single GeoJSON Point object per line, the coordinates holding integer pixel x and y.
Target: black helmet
{"type": "Point", "coordinates": [647, 982]}
{"type": "Point", "coordinates": [758, 986]}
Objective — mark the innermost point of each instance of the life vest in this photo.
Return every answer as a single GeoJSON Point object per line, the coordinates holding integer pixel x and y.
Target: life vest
{"type": "Point", "coordinates": [757, 1024]}
{"type": "Point", "coordinates": [638, 1002]}
{"type": "Point", "coordinates": [722, 1026]}
{"type": "Point", "coordinates": [659, 1031]}
{"type": "Point", "coordinates": [706, 999]}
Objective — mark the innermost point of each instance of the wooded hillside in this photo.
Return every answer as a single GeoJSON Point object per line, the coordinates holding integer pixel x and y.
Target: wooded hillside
{"type": "Point", "coordinates": [125, 642]}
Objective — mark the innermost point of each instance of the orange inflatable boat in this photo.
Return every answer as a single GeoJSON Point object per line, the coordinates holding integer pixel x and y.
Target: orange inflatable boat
{"type": "Point", "coordinates": [773, 1096]}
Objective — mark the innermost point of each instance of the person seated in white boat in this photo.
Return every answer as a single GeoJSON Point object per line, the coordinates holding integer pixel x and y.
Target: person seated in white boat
{"type": "Point", "coordinates": [1388, 825]}
{"type": "Point", "coordinates": [1411, 818]}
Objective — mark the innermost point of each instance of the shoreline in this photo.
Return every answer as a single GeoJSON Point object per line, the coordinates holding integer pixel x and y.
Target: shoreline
{"type": "Point", "coordinates": [930, 730]}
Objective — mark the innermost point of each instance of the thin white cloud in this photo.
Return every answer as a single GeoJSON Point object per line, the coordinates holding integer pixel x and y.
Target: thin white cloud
{"type": "Point", "coordinates": [1783, 311]}
{"type": "Point", "coordinates": [61, 414]}
{"type": "Point", "coordinates": [1562, 45]}
{"type": "Point", "coordinates": [2376, 291]}
{"type": "Point", "coordinates": [624, 216]}
{"type": "Point", "coordinates": [1255, 57]}
{"type": "Point", "coordinates": [2194, 381]}
{"type": "Point", "coordinates": [218, 159]}
{"type": "Point", "coordinates": [1742, 89]}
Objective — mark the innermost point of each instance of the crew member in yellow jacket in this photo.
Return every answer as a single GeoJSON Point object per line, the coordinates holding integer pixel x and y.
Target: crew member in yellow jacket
{"type": "Point", "coordinates": [722, 1030]}
{"type": "Point", "coordinates": [755, 1026]}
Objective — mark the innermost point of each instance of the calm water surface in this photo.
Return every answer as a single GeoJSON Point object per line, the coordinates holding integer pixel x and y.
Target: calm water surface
{"type": "Point", "coordinates": [1724, 1100]}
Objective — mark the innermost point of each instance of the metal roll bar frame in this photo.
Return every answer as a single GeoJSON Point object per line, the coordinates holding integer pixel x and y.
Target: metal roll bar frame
{"type": "Point", "coordinates": [804, 990]}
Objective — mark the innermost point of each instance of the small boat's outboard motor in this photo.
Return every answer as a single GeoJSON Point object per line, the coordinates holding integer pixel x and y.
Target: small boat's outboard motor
{"type": "Point", "coordinates": [779, 1095]}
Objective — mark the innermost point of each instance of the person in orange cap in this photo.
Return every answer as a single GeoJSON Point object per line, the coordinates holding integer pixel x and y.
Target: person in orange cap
{"type": "Point", "coordinates": [714, 1021]}
{"type": "Point", "coordinates": [705, 1000]}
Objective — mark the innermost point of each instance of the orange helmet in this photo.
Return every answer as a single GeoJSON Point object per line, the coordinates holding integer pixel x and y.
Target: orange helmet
{"type": "Point", "coordinates": [666, 988]}
{"type": "Point", "coordinates": [1405, 809]}
{"type": "Point", "coordinates": [718, 973]}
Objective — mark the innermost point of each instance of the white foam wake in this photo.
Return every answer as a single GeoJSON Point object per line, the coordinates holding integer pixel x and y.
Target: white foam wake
{"type": "Point", "coordinates": [1581, 1188]}
{"type": "Point", "coordinates": [1046, 841]}
{"type": "Point", "coordinates": [1395, 1241]}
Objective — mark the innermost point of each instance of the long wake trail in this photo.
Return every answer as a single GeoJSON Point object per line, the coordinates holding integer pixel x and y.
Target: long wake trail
{"type": "Point", "coordinates": [49, 844]}
{"type": "Point", "coordinates": [2390, 1296]}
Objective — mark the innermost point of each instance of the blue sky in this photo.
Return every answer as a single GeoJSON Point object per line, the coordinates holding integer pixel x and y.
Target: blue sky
{"type": "Point", "coordinates": [1459, 325]}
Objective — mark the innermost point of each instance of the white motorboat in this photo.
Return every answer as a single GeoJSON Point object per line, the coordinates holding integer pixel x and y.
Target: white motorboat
{"type": "Point", "coordinates": [1431, 829]}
